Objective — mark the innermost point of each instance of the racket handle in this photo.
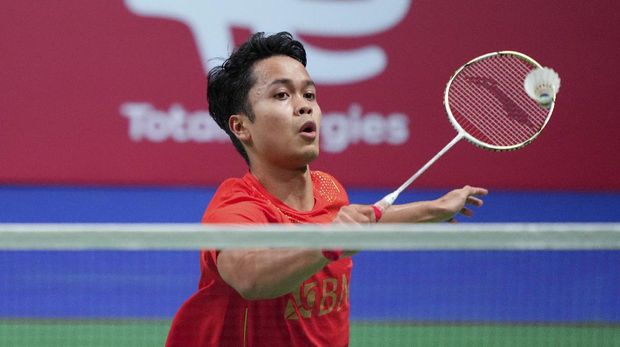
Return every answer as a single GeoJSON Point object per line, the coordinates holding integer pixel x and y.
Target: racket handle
{"type": "Point", "coordinates": [384, 203]}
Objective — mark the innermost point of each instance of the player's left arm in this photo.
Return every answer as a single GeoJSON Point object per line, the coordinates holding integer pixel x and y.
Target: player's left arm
{"type": "Point", "coordinates": [445, 208]}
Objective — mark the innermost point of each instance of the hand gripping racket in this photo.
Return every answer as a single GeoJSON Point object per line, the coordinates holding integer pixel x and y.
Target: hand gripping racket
{"type": "Point", "coordinates": [487, 104]}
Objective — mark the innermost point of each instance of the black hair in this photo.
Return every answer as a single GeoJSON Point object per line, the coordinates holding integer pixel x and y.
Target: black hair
{"type": "Point", "coordinates": [228, 84]}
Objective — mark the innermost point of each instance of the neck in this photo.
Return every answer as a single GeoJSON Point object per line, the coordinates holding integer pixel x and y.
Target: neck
{"type": "Point", "coordinates": [292, 187]}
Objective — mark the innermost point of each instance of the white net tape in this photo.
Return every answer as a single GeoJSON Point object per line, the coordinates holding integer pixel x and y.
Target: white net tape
{"type": "Point", "coordinates": [518, 236]}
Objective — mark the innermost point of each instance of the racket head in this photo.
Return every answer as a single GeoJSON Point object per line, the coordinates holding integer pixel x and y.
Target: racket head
{"type": "Point", "coordinates": [486, 103]}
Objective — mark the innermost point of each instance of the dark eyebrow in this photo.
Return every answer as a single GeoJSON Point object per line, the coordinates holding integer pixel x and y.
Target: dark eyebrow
{"type": "Point", "coordinates": [288, 81]}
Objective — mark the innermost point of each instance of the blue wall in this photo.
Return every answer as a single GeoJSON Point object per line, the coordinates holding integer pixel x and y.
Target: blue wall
{"type": "Point", "coordinates": [132, 204]}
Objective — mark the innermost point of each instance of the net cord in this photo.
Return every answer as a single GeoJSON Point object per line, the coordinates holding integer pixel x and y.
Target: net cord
{"type": "Point", "coordinates": [468, 236]}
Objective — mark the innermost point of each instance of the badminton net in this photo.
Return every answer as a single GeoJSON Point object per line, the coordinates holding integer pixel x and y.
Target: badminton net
{"type": "Point", "coordinates": [423, 285]}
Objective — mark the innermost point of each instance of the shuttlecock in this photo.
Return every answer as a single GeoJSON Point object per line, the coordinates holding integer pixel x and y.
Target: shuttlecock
{"type": "Point", "coordinates": [542, 84]}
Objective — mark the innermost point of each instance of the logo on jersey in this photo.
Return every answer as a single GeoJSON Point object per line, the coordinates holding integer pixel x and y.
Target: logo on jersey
{"type": "Point", "coordinates": [318, 298]}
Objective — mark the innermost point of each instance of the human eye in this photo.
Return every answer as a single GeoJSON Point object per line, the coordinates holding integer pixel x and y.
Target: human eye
{"type": "Point", "coordinates": [310, 96]}
{"type": "Point", "coordinates": [281, 95]}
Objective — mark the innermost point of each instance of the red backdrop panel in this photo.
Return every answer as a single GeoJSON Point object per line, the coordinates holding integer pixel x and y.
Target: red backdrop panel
{"type": "Point", "coordinates": [94, 92]}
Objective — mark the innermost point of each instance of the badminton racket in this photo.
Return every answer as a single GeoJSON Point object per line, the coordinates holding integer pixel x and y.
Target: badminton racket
{"type": "Point", "coordinates": [495, 103]}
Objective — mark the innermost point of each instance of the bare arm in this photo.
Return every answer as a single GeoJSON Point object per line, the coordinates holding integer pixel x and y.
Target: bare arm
{"type": "Point", "coordinates": [443, 209]}
{"type": "Point", "coordinates": [269, 273]}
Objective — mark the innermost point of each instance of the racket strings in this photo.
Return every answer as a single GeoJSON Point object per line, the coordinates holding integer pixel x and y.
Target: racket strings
{"type": "Point", "coordinates": [478, 126]}
{"type": "Point", "coordinates": [475, 122]}
{"type": "Point", "coordinates": [517, 121]}
{"type": "Point", "coordinates": [473, 111]}
{"type": "Point", "coordinates": [486, 82]}
{"type": "Point", "coordinates": [488, 101]}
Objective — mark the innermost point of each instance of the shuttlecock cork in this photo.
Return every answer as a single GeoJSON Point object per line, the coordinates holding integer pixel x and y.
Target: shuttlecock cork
{"type": "Point", "coordinates": [542, 84]}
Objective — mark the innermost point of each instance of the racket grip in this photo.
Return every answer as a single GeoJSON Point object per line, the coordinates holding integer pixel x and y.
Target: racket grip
{"type": "Point", "coordinates": [387, 201]}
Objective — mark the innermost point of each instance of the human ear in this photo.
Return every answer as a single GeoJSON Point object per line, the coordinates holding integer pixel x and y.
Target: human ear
{"type": "Point", "coordinates": [237, 124]}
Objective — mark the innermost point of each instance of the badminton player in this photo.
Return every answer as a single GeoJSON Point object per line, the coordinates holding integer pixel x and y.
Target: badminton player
{"type": "Point", "coordinates": [266, 101]}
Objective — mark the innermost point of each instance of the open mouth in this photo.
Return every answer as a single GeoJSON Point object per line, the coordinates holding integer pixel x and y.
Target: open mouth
{"type": "Point", "coordinates": [308, 127]}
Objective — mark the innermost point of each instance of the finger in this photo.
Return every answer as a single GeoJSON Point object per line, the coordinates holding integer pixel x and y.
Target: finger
{"type": "Point", "coordinates": [362, 213]}
{"type": "Point", "coordinates": [472, 200]}
{"type": "Point", "coordinates": [345, 219]}
{"type": "Point", "coordinates": [368, 213]}
{"type": "Point", "coordinates": [466, 212]}
{"type": "Point", "coordinates": [347, 215]}
{"type": "Point", "coordinates": [476, 191]}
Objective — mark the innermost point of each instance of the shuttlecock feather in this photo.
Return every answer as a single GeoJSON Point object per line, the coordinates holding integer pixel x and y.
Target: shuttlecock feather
{"type": "Point", "coordinates": [542, 85]}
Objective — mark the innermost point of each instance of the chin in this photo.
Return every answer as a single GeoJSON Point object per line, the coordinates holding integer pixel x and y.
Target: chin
{"type": "Point", "coordinates": [312, 158]}
{"type": "Point", "coordinates": [306, 158]}
{"type": "Point", "coordinates": [313, 154]}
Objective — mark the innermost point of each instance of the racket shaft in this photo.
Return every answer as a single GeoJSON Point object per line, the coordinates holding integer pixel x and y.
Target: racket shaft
{"type": "Point", "coordinates": [389, 199]}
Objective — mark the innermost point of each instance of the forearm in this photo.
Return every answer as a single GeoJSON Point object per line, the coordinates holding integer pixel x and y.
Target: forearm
{"type": "Point", "coordinates": [415, 212]}
{"type": "Point", "coordinates": [442, 209]}
{"type": "Point", "coordinates": [268, 273]}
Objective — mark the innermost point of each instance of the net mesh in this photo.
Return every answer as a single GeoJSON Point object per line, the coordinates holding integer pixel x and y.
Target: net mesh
{"type": "Point", "coordinates": [488, 101]}
{"type": "Point", "coordinates": [436, 285]}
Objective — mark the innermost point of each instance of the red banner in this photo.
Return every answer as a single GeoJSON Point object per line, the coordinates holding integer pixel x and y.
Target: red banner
{"type": "Point", "coordinates": [113, 92]}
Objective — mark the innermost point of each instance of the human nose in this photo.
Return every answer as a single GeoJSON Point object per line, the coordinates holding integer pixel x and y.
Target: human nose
{"type": "Point", "coordinates": [305, 110]}
{"type": "Point", "coordinates": [304, 107]}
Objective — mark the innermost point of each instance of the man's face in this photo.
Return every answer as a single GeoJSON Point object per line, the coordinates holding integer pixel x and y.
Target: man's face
{"type": "Point", "coordinates": [285, 131]}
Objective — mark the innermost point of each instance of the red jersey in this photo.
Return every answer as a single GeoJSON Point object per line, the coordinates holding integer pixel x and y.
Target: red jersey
{"type": "Point", "coordinates": [317, 314]}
